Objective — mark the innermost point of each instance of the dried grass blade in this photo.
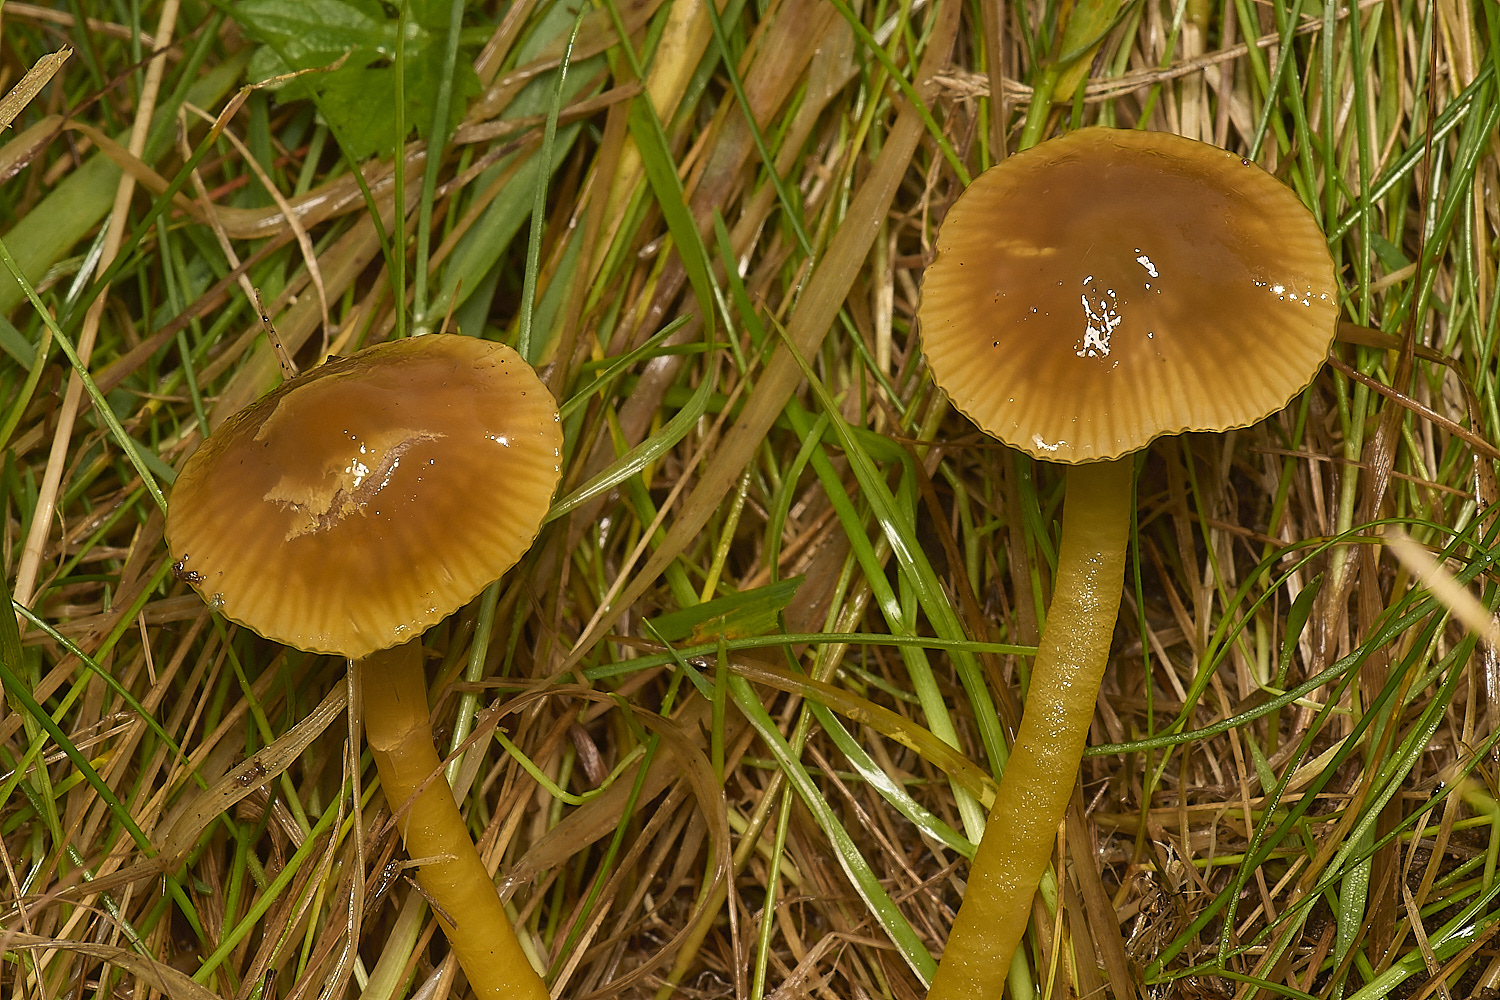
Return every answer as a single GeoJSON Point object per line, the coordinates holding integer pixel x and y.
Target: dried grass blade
{"type": "Point", "coordinates": [159, 975]}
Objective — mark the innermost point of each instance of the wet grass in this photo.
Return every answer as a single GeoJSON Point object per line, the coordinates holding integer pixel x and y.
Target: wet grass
{"type": "Point", "coordinates": [731, 724]}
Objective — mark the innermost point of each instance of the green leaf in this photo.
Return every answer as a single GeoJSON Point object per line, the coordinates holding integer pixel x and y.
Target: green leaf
{"type": "Point", "coordinates": [17, 346]}
{"type": "Point", "coordinates": [661, 173]}
{"type": "Point", "coordinates": [356, 99]}
{"type": "Point", "coordinates": [1390, 256]}
{"type": "Point", "coordinates": [1296, 621]}
{"type": "Point", "coordinates": [303, 34]}
{"type": "Point", "coordinates": [751, 612]}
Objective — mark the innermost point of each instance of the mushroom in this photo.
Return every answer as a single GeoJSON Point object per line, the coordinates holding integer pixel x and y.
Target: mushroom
{"type": "Point", "coordinates": [349, 510]}
{"type": "Point", "coordinates": [1089, 295]}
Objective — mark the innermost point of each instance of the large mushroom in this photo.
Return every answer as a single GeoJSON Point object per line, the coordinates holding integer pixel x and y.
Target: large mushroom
{"type": "Point", "coordinates": [1089, 295]}
{"type": "Point", "coordinates": [349, 510]}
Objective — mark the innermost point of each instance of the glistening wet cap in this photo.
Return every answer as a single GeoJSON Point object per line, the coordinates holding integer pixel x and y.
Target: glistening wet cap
{"type": "Point", "coordinates": [371, 497]}
{"type": "Point", "coordinates": [1110, 286]}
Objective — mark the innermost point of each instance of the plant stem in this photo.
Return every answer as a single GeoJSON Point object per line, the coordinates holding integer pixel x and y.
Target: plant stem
{"type": "Point", "coordinates": [1043, 765]}
{"type": "Point", "coordinates": [399, 731]}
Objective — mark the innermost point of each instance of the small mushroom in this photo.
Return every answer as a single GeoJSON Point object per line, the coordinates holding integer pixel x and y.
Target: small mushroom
{"type": "Point", "coordinates": [1089, 295]}
{"type": "Point", "coordinates": [349, 510]}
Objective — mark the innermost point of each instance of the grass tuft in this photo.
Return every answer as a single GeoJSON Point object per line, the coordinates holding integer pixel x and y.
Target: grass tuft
{"type": "Point", "coordinates": [732, 727]}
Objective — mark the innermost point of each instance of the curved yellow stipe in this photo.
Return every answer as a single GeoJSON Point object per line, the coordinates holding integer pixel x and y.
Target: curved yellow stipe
{"type": "Point", "coordinates": [1038, 779]}
{"type": "Point", "coordinates": [399, 731]}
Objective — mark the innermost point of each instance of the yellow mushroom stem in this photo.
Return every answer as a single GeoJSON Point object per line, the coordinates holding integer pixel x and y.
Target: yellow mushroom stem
{"type": "Point", "coordinates": [398, 728]}
{"type": "Point", "coordinates": [1043, 765]}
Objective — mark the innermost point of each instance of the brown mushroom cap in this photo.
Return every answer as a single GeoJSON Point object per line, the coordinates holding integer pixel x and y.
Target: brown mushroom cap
{"type": "Point", "coordinates": [369, 498]}
{"type": "Point", "coordinates": [1111, 286]}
